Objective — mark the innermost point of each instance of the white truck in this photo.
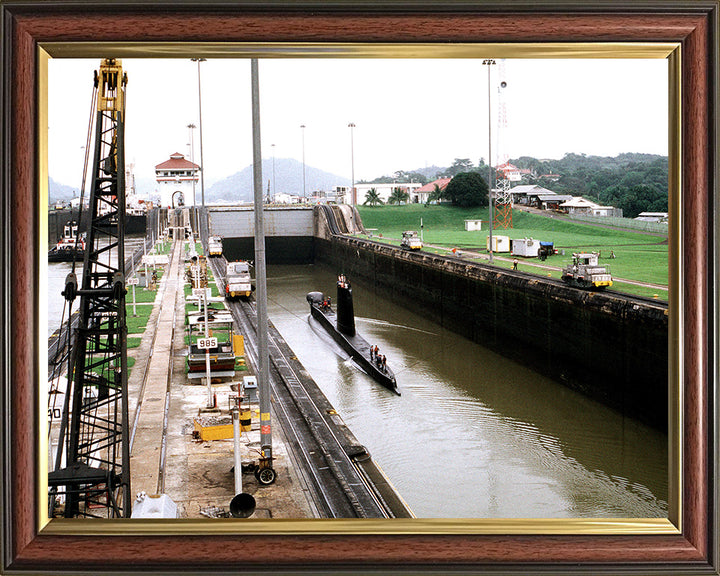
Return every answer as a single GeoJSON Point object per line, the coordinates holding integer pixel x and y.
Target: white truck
{"type": "Point", "coordinates": [410, 241]}
{"type": "Point", "coordinates": [215, 246]}
{"type": "Point", "coordinates": [238, 283]}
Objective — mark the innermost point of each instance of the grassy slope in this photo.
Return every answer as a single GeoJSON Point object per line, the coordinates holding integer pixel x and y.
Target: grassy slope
{"type": "Point", "coordinates": [639, 256]}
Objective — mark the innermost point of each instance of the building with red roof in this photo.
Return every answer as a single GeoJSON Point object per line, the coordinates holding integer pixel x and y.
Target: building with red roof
{"type": "Point", "coordinates": [177, 179]}
{"type": "Point", "coordinates": [421, 194]}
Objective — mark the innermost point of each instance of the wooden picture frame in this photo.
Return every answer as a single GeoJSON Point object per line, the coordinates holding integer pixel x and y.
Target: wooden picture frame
{"type": "Point", "coordinates": [33, 27]}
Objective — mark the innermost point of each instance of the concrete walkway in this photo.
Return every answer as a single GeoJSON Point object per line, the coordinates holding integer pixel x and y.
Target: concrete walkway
{"type": "Point", "coordinates": [197, 475]}
{"type": "Point", "coordinates": [146, 449]}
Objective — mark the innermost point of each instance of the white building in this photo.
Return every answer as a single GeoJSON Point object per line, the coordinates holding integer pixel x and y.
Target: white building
{"type": "Point", "coordinates": [521, 194]}
{"type": "Point", "coordinates": [472, 225]}
{"type": "Point", "coordinates": [661, 217]}
{"type": "Point", "coordinates": [283, 198]}
{"type": "Point", "coordinates": [385, 190]}
{"type": "Point", "coordinates": [580, 205]}
{"type": "Point", "coordinates": [525, 247]}
{"type": "Point", "coordinates": [422, 194]}
{"type": "Point", "coordinates": [499, 243]}
{"type": "Point", "coordinates": [177, 180]}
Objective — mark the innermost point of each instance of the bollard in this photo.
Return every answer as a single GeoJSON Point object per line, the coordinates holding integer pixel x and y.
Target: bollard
{"type": "Point", "coordinates": [242, 505]}
{"type": "Point", "coordinates": [236, 444]}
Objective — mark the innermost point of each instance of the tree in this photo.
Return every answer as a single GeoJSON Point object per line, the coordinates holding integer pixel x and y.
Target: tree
{"type": "Point", "coordinates": [459, 166]}
{"type": "Point", "coordinates": [398, 196]}
{"type": "Point", "coordinates": [435, 195]}
{"type": "Point", "coordinates": [642, 198]}
{"type": "Point", "coordinates": [467, 189]}
{"type": "Point", "coordinates": [372, 197]}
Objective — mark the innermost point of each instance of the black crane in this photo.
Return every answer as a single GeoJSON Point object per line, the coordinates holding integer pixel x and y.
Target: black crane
{"type": "Point", "coordinates": [92, 465]}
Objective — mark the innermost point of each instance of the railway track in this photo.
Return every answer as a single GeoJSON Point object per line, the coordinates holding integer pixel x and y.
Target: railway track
{"type": "Point", "coordinates": [330, 460]}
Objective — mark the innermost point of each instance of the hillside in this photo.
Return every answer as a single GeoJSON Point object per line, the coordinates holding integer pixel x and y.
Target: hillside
{"type": "Point", "coordinates": [632, 182]}
{"type": "Point", "coordinates": [60, 192]}
{"type": "Point", "coordinates": [288, 180]}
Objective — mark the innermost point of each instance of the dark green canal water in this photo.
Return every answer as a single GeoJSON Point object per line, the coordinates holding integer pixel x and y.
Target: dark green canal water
{"type": "Point", "coordinates": [473, 435]}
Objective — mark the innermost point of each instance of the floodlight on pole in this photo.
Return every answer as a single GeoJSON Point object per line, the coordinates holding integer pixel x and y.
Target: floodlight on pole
{"type": "Point", "coordinates": [274, 188]}
{"type": "Point", "coordinates": [302, 126]}
{"type": "Point", "coordinates": [353, 198]}
{"type": "Point", "coordinates": [489, 62]}
{"type": "Point", "coordinates": [192, 127]}
{"type": "Point", "coordinates": [202, 165]}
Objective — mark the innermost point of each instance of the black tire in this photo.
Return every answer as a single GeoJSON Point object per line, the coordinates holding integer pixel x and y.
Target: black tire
{"type": "Point", "coordinates": [265, 476]}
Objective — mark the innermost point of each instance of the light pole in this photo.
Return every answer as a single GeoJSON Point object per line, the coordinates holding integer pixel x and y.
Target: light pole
{"type": "Point", "coordinates": [490, 62]}
{"type": "Point", "coordinates": [274, 188]}
{"type": "Point", "coordinates": [202, 166]}
{"type": "Point", "coordinates": [302, 126]}
{"type": "Point", "coordinates": [192, 127]}
{"type": "Point", "coordinates": [353, 198]}
{"type": "Point", "coordinates": [260, 272]}
{"type": "Point", "coordinates": [353, 195]}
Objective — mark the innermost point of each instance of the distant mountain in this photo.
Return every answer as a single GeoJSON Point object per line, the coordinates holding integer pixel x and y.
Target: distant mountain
{"type": "Point", "coordinates": [430, 172]}
{"type": "Point", "coordinates": [60, 192]}
{"type": "Point", "coordinates": [288, 179]}
{"type": "Point", "coordinates": [145, 187]}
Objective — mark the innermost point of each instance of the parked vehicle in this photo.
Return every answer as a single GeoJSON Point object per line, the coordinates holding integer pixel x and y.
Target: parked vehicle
{"type": "Point", "coordinates": [410, 241]}
{"type": "Point", "coordinates": [215, 246]}
{"type": "Point", "coordinates": [238, 283]}
{"type": "Point", "coordinates": [585, 272]}
{"type": "Point", "coordinates": [546, 249]}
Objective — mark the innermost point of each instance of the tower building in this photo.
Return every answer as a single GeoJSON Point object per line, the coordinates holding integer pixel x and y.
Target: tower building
{"type": "Point", "coordinates": [177, 179]}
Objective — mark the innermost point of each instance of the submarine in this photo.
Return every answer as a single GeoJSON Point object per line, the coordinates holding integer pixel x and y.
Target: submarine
{"type": "Point", "coordinates": [341, 327]}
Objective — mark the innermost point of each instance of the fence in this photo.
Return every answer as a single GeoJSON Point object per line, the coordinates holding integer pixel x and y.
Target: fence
{"type": "Point", "coordinates": [628, 223]}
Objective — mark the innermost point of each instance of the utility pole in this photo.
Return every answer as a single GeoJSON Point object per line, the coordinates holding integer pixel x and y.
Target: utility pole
{"type": "Point", "coordinates": [353, 195]}
{"type": "Point", "coordinates": [192, 127]}
{"type": "Point", "coordinates": [302, 126]}
{"type": "Point", "coordinates": [490, 62]}
{"type": "Point", "coordinates": [202, 164]}
{"type": "Point", "coordinates": [260, 275]}
{"type": "Point", "coordinates": [274, 186]}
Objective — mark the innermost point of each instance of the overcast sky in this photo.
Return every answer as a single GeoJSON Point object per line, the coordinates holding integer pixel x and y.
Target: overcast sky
{"type": "Point", "coordinates": [408, 113]}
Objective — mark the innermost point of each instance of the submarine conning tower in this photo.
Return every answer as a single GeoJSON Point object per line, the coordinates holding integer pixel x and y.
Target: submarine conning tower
{"type": "Point", "coordinates": [344, 307]}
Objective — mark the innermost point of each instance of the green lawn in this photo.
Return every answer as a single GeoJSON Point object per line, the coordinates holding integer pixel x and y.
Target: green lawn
{"type": "Point", "coordinates": [638, 256]}
{"type": "Point", "coordinates": [213, 288]}
{"type": "Point", "coordinates": [162, 248]}
{"type": "Point", "coordinates": [137, 324]}
{"type": "Point", "coordinates": [141, 295]}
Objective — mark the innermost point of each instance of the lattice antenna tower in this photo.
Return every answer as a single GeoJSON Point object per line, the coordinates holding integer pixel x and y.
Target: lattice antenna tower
{"type": "Point", "coordinates": [503, 199]}
{"type": "Point", "coordinates": [92, 468]}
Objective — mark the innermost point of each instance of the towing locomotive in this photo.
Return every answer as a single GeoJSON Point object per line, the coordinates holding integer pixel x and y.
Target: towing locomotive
{"type": "Point", "coordinates": [585, 272]}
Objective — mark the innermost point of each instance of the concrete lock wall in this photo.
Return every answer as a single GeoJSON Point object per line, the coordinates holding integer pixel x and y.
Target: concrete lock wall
{"type": "Point", "coordinates": [609, 348]}
{"type": "Point", "coordinates": [239, 222]}
{"type": "Point", "coordinates": [288, 233]}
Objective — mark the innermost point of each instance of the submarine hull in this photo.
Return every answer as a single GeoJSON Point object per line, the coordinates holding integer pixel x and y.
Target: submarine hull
{"type": "Point", "coordinates": [355, 345]}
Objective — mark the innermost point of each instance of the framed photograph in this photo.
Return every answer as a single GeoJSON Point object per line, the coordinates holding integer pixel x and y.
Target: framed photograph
{"type": "Point", "coordinates": [682, 33]}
